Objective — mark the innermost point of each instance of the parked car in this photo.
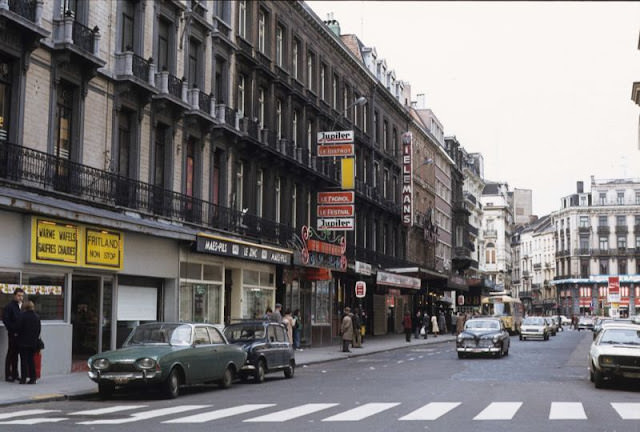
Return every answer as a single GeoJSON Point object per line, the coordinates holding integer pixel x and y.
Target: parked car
{"type": "Point", "coordinates": [168, 355]}
{"type": "Point", "coordinates": [483, 335]}
{"type": "Point", "coordinates": [564, 320]}
{"type": "Point", "coordinates": [585, 323]}
{"type": "Point", "coordinates": [615, 354]}
{"type": "Point", "coordinates": [267, 346]}
{"type": "Point", "coordinates": [552, 324]}
{"type": "Point", "coordinates": [534, 327]}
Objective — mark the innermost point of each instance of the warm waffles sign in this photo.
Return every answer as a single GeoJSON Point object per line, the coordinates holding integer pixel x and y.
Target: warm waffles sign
{"type": "Point", "coordinates": [70, 244]}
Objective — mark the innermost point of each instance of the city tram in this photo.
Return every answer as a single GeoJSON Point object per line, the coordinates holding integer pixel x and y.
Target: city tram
{"type": "Point", "coordinates": [507, 308]}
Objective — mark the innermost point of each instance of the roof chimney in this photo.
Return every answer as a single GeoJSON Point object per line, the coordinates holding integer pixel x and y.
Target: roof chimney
{"type": "Point", "coordinates": [580, 186]}
{"type": "Point", "coordinates": [422, 101]}
{"type": "Point", "coordinates": [333, 24]}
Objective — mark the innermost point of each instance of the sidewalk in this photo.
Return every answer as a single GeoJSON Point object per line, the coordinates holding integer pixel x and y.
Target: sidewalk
{"type": "Point", "coordinates": [61, 387]}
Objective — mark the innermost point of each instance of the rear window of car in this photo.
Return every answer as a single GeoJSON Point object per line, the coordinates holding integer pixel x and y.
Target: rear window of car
{"type": "Point", "coordinates": [236, 333]}
{"type": "Point", "coordinates": [533, 321]}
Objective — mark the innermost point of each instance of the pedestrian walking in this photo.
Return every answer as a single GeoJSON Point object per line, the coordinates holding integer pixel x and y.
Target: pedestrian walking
{"type": "Point", "coordinates": [460, 323]}
{"type": "Point", "coordinates": [406, 324]}
{"type": "Point", "coordinates": [442, 324]}
{"type": "Point", "coordinates": [11, 320]}
{"type": "Point", "coordinates": [297, 329]}
{"type": "Point", "coordinates": [452, 322]}
{"type": "Point", "coordinates": [346, 329]}
{"type": "Point", "coordinates": [357, 323]}
{"type": "Point", "coordinates": [417, 324]}
{"type": "Point", "coordinates": [434, 325]}
{"type": "Point", "coordinates": [276, 316]}
{"type": "Point", "coordinates": [425, 324]}
{"type": "Point", "coordinates": [287, 320]}
{"type": "Point", "coordinates": [28, 335]}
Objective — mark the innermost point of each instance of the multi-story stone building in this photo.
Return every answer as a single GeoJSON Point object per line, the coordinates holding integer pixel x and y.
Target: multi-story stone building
{"type": "Point", "coordinates": [597, 236]}
{"type": "Point", "coordinates": [497, 225]}
{"type": "Point", "coordinates": [522, 202]}
{"type": "Point", "coordinates": [158, 161]}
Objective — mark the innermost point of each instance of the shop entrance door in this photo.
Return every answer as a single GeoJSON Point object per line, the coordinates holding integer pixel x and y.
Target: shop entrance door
{"type": "Point", "coordinates": [85, 313]}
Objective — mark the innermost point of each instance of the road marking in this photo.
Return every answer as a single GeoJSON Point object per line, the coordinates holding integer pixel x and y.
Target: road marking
{"type": "Point", "coordinates": [431, 411]}
{"type": "Point", "coordinates": [567, 411]}
{"type": "Point", "coordinates": [218, 414]}
{"type": "Point", "coordinates": [109, 410]}
{"type": "Point", "coordinates": [145, 415]}
{"type": "Point", "coordinates": [362, 412]}
{"type": "Point", "coordinates": [292, 413]}
{"type": "Point", "coordinates": [33, 421]}
{"type": "Point", "coordinates": [499, 411]}
{"type": "Point", "coordinates": [627, 410]}
{"type": "Point", "coordinates": [25, 413]}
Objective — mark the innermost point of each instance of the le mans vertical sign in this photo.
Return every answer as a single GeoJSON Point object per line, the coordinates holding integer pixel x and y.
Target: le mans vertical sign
{"type": "Point", "coordinates": [407, 179]}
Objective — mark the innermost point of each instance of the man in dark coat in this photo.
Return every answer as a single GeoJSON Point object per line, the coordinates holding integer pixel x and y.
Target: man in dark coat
{"type": "Point", "coordinates": [28, 335]}
{"type": "Point", "coordinates": [11, 321]}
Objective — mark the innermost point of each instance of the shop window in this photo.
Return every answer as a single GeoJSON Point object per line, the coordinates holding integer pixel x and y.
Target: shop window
{"type": "Point", "coordinates": [258, 293]}
{"type": "Point", "coordinates": [199, 302]}
{"type": "Point", "coordinates": [45, 291]}
{"type": "Point", "coordinates": [190, 270]}
{"type": "Point", "coordinates": [321, 302]}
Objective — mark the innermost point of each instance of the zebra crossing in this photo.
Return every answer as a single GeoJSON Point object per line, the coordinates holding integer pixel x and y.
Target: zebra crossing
{"type": "Point", "coordinates": [271, 413]}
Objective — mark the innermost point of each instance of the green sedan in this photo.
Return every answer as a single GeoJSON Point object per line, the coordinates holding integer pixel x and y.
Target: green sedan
{"type": "Point", "coordinates": [168, 355]}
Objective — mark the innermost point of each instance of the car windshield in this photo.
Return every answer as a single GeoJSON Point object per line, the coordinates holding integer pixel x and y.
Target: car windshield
{"type": "Point", "coordinates": [158, 333]}
{"type": "Point", "coordinates": [620, 337]}
{"type": "Point", "coordinates": [533, 321]}
{"type": "Point", "coordinates": [482, 324]}
{"type": "Point", "coordinates": [244, 332]}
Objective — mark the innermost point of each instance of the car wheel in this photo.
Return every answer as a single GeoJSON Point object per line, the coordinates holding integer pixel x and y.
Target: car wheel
{"type": "Point", "coordinates": [506, 353]}
{"type": "Point", "coordinates": [290, 370]}
{"type": "Point", "coordinates": [260, 372]}
{"type": "Point", "coordinates": [172, 384]}
{"type": "Point", "coordinates": [227, 378]}
{"type": "Point", "coordinates": [521, 337]}
{"type": "Point", "coordinates": [106, 390]}
{"type": "Point", "coordinates": [461, 355]}
{"type": "Point", "coordinates": [598, 379]}
{"type": "Point", "coordinates": [591, 375]}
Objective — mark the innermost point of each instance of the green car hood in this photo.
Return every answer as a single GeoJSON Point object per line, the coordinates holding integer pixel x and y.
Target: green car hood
{"type": "Point", "coordinates": [134, 352]}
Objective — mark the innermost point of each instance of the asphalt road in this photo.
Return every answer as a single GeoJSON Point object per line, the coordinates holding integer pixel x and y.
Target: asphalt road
{"type": "Point", "coordinates": [540, 386]}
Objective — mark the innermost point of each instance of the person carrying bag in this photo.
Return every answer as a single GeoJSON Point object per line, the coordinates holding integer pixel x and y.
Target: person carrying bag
{"type": "Point", "coordinates": [28, 342]}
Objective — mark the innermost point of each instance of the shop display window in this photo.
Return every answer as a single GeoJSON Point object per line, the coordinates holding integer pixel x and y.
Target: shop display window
{"type": "Point", "coordinates": [45, 291]}
{"type": "Point", "coordinates": [200, 292]}
{"type": "Point", "coordinates": [321, 302]}
{"type": "Point", "coordinates": [258, 291]}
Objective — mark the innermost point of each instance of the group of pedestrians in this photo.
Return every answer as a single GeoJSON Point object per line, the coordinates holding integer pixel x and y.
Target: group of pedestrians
{"type": "Point", "coordinates": [351, 329]}
{"type": "Point", "coordinates": [293, 323]}
{"type": "Point", "coordinates": [23, 337]}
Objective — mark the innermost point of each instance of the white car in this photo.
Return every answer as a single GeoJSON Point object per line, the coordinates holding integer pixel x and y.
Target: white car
{"type": "Point", "coordinates": [615, 353]}
{"type": "Point", "coordinates": [534, 327]}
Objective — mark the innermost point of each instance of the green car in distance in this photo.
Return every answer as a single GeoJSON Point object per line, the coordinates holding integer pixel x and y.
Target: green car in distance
{"type": "Point", "coordinates": [168, 355]}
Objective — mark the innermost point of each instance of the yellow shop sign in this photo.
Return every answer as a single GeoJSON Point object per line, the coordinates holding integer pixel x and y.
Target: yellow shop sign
{"type": "Point", "coordinates": [63, 243]}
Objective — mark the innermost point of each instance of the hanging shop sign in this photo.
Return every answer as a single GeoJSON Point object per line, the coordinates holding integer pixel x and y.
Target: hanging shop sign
{"type": "Point", "coordinates": [336, 224]}
{"type": "Point", "coordinates": [218, 245]}
{"type": "Point", "coordinates": [336, 198]}
{"type": "Point", "coordinates": [335, 143]}
{"type": "Point", "coordinates": [363, 268]}
{"type": "Point", "coordinates": [614, 289]}
{"type": "Point", "coordinates": [407, 179]}
{"type": "Point", "coordinates": [396, 280]}
{"type": "Point", "coordinates": [361, 289]}
{"type": "Point", "coordinates": [323, 249]}
{"type": "Point", "coordinates": [70, 244]}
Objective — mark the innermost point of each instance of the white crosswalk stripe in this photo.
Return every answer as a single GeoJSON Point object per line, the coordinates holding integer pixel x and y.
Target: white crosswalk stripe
{"type": "Point", "coordinates": [292, 413]}
{"type": "Point", "coordinates": [362, 412]}
{"type": "Point", "coordinates": [219, 414]}
{"type": "Point", "coordinates": [145, 415]}
{"type": "Point", "coordinates": [567, 411]}
{"type": "Point", "coordinates": [499, 411]}
{"type": "Point", "coordinates": [34, 421]}
{"type": "Point", "coordinates": [431, 411]}
{"type": "Point", "coordinates": [24, 413]}
{"type": "Point", "coordinates": [627, 410]}
{"type": "Point", "coordinates": [108, 410]}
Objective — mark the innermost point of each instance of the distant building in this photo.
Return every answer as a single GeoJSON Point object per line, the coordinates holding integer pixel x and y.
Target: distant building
{"type": "Point", "coordinates": [597, 236]}
{"type": "Point", "coordinates": [522, 203]}
{"type": "Point", "coordinates": [497, 224]}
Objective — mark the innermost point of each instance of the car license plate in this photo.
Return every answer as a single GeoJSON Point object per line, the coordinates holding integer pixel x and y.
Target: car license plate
{"type": "Point", "coordinates": [632, 375]}
{"type": "Point", "coordinates": [121, 380]}
{"type": "Point", "coordinates": [477, 350]}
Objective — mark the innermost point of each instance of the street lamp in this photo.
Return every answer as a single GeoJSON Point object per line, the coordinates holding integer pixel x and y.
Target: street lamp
{"type": "Point", "coordinates": [360, 101]}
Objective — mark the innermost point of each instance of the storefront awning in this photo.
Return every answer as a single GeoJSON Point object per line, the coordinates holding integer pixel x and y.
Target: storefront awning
{"type": "Point", "coordinates": [419, 272]}
{"type": "Point", "coordinates": [397, 281]}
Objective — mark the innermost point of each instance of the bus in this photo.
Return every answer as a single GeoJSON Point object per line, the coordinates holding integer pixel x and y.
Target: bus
{"type": "Point", "coordinates": [507, 308]}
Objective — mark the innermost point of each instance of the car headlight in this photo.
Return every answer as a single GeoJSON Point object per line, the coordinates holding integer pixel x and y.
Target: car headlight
{"type": "Point", "coordinates": [145, 363]}
{"type": "Point", "coordinates": [100, 364]}
{"type": "Point", "coordinates": [496, 338]}
{"type": "Point", "coordinates": [606, 361]}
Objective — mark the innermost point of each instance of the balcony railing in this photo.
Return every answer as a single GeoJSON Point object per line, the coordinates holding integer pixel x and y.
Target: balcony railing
{"type": "Point", "coordinates": [537, 266]}
{"type": "Point", "coordinates": [582, 251]}
{"type": "Point", "coordinates": [584, 229]}
{"type": "Point", "coordinates": [24, 8]}
{"type": "Point", "coordinates": [622, 229]}
{"type": "Point", "coordinates": [472, 230]}
{"type": "Point", "coordinates": [490, 233]}
{"type": "Point", "coordinates": [83, 36]}
{"type": "Point", "coordinates": [140, 67]}
{"type": "Point", "coordinates": [603, 229]}
{"type": "Point", "coordinates": [174, 86]}
{"type": "Point", "coordinates": [46, 172]}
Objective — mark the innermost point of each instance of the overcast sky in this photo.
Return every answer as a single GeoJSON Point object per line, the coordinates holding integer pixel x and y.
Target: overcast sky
{"type": "Point", "coordinates": [542, 90]}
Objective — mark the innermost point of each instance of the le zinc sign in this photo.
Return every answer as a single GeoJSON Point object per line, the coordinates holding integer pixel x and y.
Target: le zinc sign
{"type": "Point", "coordinates": [71, 244]}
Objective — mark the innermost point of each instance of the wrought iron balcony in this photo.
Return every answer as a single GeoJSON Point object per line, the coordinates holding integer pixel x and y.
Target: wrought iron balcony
{"type": "Point", "coordinates": [490, 233]}
{"type": "Point", "coordinates": [140, 71]}
{"type": "Point", "coordinates": [53, 175]}
{"type": "Point", "coordinates": [83, 42]}
{"type": "Point", "coordinates": [622, 229]}
{"type": "Point", "coordinates": [25, 8]}
{"type": "Point", "coordinates": [22, 24]}
{"type": "Point", "coordinates": [582, 251]}
{"type": "Point", "coordinates": [472, 230]}
{"type": "Point", "coordinates": [173, 89]}
{"type": "Point", "coordinates": [584, 229]}
{"type": "Point", "coordinates": [537, 266]}
{"type": "Point", "coordinates": [603, 229]}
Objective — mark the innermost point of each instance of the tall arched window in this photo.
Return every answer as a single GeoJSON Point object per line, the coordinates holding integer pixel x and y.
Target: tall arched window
{"type": "Point", "coordinates": [490, 253]}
